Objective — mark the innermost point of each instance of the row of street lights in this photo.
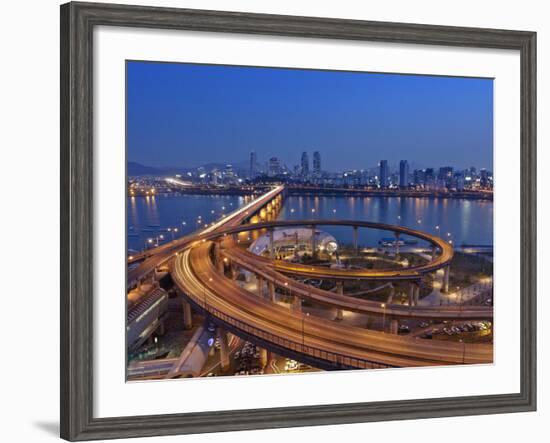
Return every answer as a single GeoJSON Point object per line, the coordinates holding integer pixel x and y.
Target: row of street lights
{"type": "Point", "coordinates": [173, 230]}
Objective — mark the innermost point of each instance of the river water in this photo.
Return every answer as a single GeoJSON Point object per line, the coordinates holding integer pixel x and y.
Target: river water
{"type": "Point", "coordinates": [467, 221]}
{"type": "Point", "coordinates": [150, 217]}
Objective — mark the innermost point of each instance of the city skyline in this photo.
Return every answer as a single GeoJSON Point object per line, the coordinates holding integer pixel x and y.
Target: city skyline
{"type": "Point", "coordinates": [187, 115]}
{"type": "Point", "coordinates": [307, 221]}
{"type": "Point", "coordinates": [245, 164]}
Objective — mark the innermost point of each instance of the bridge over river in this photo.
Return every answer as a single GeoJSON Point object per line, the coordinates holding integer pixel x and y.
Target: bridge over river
{"type": "Point", "coordinates": [199, 265]}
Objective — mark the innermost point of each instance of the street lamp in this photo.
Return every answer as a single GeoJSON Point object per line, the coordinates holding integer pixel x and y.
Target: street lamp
{"type": "Point", "coordinates": [172, 231]}
{"type": "Point", "coordinates": [383, 306]}
{"type": "Point", "coordinates": [156, 239]}
{"type": "Point", "coordinates": [204, 292]}
{"type": "Point", "coordinates": [458, 292]}
{"type": "Point", "coordinates": [303, 330]}
{"type": "Point", "coordinates": [290, 291]}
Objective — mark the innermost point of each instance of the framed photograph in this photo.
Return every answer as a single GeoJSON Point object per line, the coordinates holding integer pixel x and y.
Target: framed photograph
{"type": "Point", "coordinates": [273, 221]}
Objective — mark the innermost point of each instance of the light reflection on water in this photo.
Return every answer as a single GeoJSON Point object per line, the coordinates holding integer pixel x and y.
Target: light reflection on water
{"type": "Point", "coordinates": [149, 217]}
{"type": "Point", "coordinates": [468, 221]}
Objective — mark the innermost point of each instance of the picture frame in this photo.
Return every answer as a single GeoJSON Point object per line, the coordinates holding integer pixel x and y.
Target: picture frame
{"type": "Point", "coordinates": [77, 219]}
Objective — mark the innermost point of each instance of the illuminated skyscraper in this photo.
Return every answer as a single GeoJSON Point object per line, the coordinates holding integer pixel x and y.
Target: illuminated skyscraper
{"type": "Point", "coordinates": [274, 166]}
{"type": "Point", "coordinates": [403, 174]}
{"type": "Point", "coordinates": [483, 178]}
{"type": "Point", "coordinates": [384, 174]}
{"type": "Point", "coordinates": [316, 164]}
{"type": "Point", "coordinates": [446, 175]}
{"type": "Point", "coordinates": [305, 165]}
{"type": "Point", "coordinates": [253, 163]}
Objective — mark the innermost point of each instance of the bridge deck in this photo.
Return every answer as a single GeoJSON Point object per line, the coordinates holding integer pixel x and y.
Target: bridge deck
{"type": "Point", "coordinates": [265, 268]}
{"type": "Point", "coordinates": [194, 272]}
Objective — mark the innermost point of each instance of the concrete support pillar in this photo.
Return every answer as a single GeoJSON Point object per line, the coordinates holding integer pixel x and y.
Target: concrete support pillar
{"type": "Point", "coordinates": [397, 245]}
{"type": "Point", "coordinates": [411, 294]}
{"type": "Point", "coordinates": [161, 329]}
{"type": "Point", "coordinates": [271, 287]}
{"type": "Point", "coordinates": [446, 273]}
{"type": "Point", "coordinates": [224, 349]}
{"type": "Point", "coordinates": [219, 258]}
{"type": "Point", "coordinates": [271, 244]}
{"type": "Point", "coordinates": [389, 301]}
{"type": "Point", "coordinates": [356, 239]}
{"type": "Point", "coordinates": [394, 326]}
{"type": "Point", "coordinates": [434, 249]}
{"type": "Point", "coordinates": [234, 272]}
{"type": "Point", "coordinates": [313, 241]}
{"type": "Point", "coordinates": [264, 360]}
{"type": "Point", "coordinates": [340, 290]}
{"type": "Point", "coordinates": [260, 286]}
{"type": "Point", "coordinates": [416, 294]}
{"type": "Point", "coordinates": [187, 315]}
{"type": "Point", "coordinates": [297, 304]}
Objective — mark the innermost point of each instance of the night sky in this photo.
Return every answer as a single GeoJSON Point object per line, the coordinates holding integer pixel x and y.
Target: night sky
{"type": "Point", "coordinates": [186, 115]}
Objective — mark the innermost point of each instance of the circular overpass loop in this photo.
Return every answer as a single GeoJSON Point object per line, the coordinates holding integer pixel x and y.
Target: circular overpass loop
{"type": "Point", "coordinates": [410, 273]}
{"type": "Point", "coordinates": [196, 275]}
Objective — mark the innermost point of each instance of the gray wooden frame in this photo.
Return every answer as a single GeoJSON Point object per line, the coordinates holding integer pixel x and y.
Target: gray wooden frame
{"type": "Point", "coordinates": [77, 23]}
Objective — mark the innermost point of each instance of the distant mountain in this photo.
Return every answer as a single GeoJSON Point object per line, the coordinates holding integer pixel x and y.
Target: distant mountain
{"type": "Point", "coordinates": [134, 168]}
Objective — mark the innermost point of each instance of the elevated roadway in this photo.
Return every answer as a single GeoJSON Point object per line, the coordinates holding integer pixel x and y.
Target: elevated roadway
{"type": "Point", "coordinates": [321, 272]}
{"type": "Point", "coordinates": [333, 343]}
{"type": "Point", "coordinates": [162, 254]}
{"type": "Point", "coordinates": [328, 343]}
{"type": "Point", "coordinates": [268, 270]}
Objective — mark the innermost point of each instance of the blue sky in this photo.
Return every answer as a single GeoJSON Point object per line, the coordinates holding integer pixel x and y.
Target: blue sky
{"type": "Point", "coordinates": [187, 115]}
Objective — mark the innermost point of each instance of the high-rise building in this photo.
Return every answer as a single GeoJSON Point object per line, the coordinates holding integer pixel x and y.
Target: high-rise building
{"type": "Point", "coordinates": [419, 177]}
{"type": "Point", "coordinates": [253, 163]}
{"type": "Point", "coordinates": [229, 175]}
{"type": "Point", "coordinates": [445, 175]}
{"type": "Point", "coordinates": [305, 165]}
{"type": "Point", "coordinates": [274, 166]}
{"type": "Point", "coordinates": [384, 174]}
{"type": "Point", "coordinates": [403, 174]}
{"type": "Point", "coordinates": [316, 164]}
{"type": "Point", "coordinates": [458, 181]}
{"type": "Point", "coordinates": [483, 177]}
{"type": "Point", "coordinates": [429, 175]}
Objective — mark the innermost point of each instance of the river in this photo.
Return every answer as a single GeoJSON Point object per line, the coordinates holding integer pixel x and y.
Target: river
{"type": "Point", "coordinates": [467, 221]}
